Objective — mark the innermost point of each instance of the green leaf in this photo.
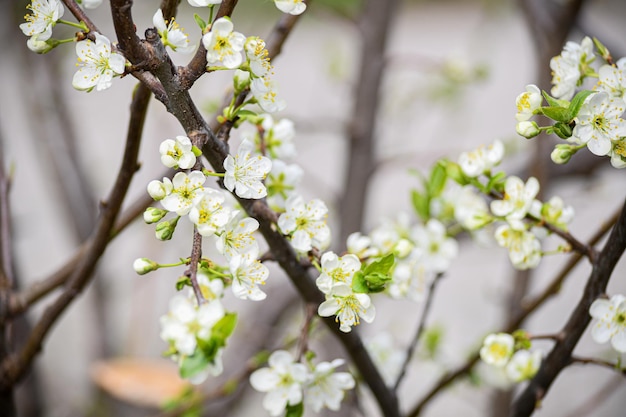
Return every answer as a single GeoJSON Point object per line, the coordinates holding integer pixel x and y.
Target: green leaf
{"type": "Point", "coordinates": [437, 181]}
{"type": "Point", "coordinates": [562, 130]}
{"type": "Point", "coordinates": [224, 328]}
{"type": "Point", "coordinates": [359, 284]}
{"type": "Point", "coordinates": [553, 102]}
{"type": "Point", "coordinates": [201, 23]}
{"type": "Point", "coordinates": [193, 364]}
{"type": "Point", "coordinates": [376, 282]}
{"type": "Point", "coordinates": [577, 102]}
{"type": "Point", "coordinates": [558, 114]}
{"type": "Point", "coordinates": [294, 410]}
{"type": "Point", "coordinates": [431, 340]}
{"type": "Point", "coordinates": [421, 204]}
{"type": "Point", "coordinates": [382, 265]}
{"type": "Point", "coordinates": [183, 282]}
{"type": "Point", "coordinates": [454, 171]}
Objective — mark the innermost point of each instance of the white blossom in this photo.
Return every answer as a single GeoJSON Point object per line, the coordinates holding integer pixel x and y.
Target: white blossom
{"type": "Point", "coordinates": [281, 183]}
{"type": "Point", "coordinates": [44, 15]}
{"type": "Point", "coordinates": [599, 122]}
{"type": "Point", "coordinates": [294, 7]}
{"type": "Point", "coordinates": [523, 365]}
{"type": "Point", "coordinates": [246, 171]}
{"type": "Point", "coordinates": [248, 273]}
{"type": "Point", "coordinates": [524, 247]}
{"type": "Point", "coordinates": [348, 306]}
{"type": "Point", "coordinates": [223, 46]}
{"type": "Point", "coordinates": [439, 250]}
{"type": "Point", "coordinates": [517, 200]}
{"type": "Point", "coordinates": [497, 349]}
{"type": "Point", "coordinates": [177, 153]}
{"type": "Point", "coordinates": [159, 190]}
{"type": "Point", "coordinates": [264, 91]}
{"type": "Point", "coordinates": [97, 65]}
{"type": "Point", "coordinates": [185, 190]}
{"type": "Point", "coordinates": [171, 34]}
{"type": "Point", "coordinates": [565, 67]}
{"type": "Point", "coordinates": [306, 223]}
{"type": "Point", "coordinates": [612, 79]}
{"type": "Point", "coordinates": [611, 321]}
{"type": "Point", "coordinates": [326, 387]}
{"type": "Point", "coordinates": [258, 56]}
{"type": "Point", "coordinates": [528, 102]}
{"type": "Point", "coordinates": [278, 137]}
{"type": "Point", "coordinates": [237, 238]}
{"type": "Point", "coordinates": [208, 212]}
{"type": "Point", "coordinates": [481, 160]}
{"type": "Point", "coordinates": [336, 269]}
{"type": "Point", "coordinates": [283, 381]}
{"type": "Point", "coordinates": [203, 3]}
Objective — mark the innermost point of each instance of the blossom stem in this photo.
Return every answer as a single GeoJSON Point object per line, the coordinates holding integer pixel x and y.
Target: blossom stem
{"type": "Point", "coordinates": [614, 366]}
{"type": "Point", "coordinates": [81, 25]}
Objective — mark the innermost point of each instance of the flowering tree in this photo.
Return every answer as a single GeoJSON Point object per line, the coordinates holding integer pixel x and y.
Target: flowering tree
{"type": "Point", "coordinates": [242, 203]}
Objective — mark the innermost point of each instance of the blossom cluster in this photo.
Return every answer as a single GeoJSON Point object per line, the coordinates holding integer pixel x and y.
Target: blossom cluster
{"type": "Point", "coordinates": [503, 351]}
{"type": "Point", "coordinates": [289, 383]}
{"type": "Point", "coordinates": [591, 118]}
{"type": "Point", "coordinates": [610, 324]}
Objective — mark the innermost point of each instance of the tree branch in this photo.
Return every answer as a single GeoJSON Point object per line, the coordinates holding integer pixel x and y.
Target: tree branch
{"type": "Point", "coordinates": [561, 353]}
{"type": "Point", "coordinates": [13, 367]}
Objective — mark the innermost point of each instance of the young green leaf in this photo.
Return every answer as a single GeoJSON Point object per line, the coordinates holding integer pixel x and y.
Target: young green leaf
{"type": "Point", "coordinates": [294, 410]}
{"type": "Point", "coordinates": [421, 204]}
{"type": "Point", "coordinates": [437, 181]}
{"type": "Point", "coordinates": [577, 102]}
{"type": "Point", "coordinates": [193, 364]}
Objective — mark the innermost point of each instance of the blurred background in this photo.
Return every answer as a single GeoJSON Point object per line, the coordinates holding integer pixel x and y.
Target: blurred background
{"type": "Point", "coordinates": [452, 70]}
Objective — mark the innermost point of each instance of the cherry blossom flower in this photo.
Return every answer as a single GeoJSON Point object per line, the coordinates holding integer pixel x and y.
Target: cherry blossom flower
{"type": "Point", "coordinates": [237, 238]}
{"type": "Point", "coordinates": [246, 171]}
{"type": "Point", "coordinates": [278, 137]}
{"type": "Point", "coordinates": [497, 349]}
{"type": "Point", "coordinates": [518, 198]}
{"type": "Point", "coordinates": [348, 306]}
{"type": "Point", "coordinates": [599, 122]}
{"type": "Point", "coordinates": [326, 387]}
{"type": "Point", "coordinates": [97, 65]}
{"type": "Point", "coordinates": [171, 34]}
{"type": "Point", "coordinates": [264, 91]}
{"type": "Point", "coordinates": [528, 102]}
{"type": "Point", "coordinates": [554, 211]}
{"type": "Point", "coordinates": [45, 14]}
{"type": "Point", "coordinates": [186, 189]}
{"type": "Point", "coordinates": [618, 154]}
{"type": "Point", "coordinates": [294, 7]}
{"type": "Point", "coordinates": [258, 56]}
{"type": "Point", "coordinates": [283, 381]}
{"type": "Point", "coordinates": [248, 273]}
{"type": "Point", "coordinates": [410, 277]}
{"type": "Point", "coordinates": [186, 322]}
{"type": "Point", "coordinates": [361, 245]}
{"type": "Point", "coordinates": [336, 269]}
{"type": "Point", "coordinates": [281, 183]}
{"type": "Point", "coordinates": [177, 153]}
{"type": "Point", "coordinates": [566, 67]}
{"type": "Point", "coordinates": [439, 250]}
{"type": "Point", "coordinates": [612, 79]}
{"type": "Point", "coordinates": [611, 321]}
{"type": "Point", "coordinates": [203, 3]}
{"type": "Point", "coordinates": [223, 45]}
{"type": "Point", "coordinates": [208, 213]}
{"type": "Point", "coordinates": [306, 223]}
{"type": "Point", "coordinates": [481, 160]}
{"type": "Point", "coordinates": [470, 210]}
{"type": "Point", "coordinates": [524, 247]}
{"type": "Point", "coordinates": [523, 365]}
{"type": "Point", "coordinates": [159, 190]}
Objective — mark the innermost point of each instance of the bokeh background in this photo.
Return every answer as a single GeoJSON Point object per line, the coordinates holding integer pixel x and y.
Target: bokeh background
{"type": "Point", "coordinates": [453, 70]}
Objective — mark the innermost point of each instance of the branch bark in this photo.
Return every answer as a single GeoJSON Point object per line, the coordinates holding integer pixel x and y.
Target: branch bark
{"type": "Point", "coordinates": [374, 26]}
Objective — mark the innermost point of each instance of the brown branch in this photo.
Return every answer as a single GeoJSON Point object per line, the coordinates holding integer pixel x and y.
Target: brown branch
{"type": "Point", "coordinates": [527, 309]}
{"type": "Point", "coordinates": [374, 26]}
{"type": "Point", "coordinates": [561, 353]}
{"type": "Point", "coordinates": [418, 333]}
{"type": "Point", "coordinates": [7, 270]}
{"type": "Point", "coordinates": [14, 367]}
{"type": "Point", "coordinates": [594, 361]}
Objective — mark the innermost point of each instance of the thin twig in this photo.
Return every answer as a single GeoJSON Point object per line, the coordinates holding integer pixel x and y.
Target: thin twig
{"type": "Point", "coordinates": [420, 330]}
{"type": "Point", "coordinates": [303, 341]}
{"type": "Point", "coordinates": [192, 272]}
{"type": "Point", "coordinates": [14, 367]}
{"type": "Point", "coordinates": [594, 361]}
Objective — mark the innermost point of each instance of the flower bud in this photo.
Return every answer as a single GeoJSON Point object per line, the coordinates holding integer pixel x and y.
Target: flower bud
{"type": "Point", "coordinates": [159, 190]}
{"type": "Point", "coordinates": [153, 215]}
{"type": "Point", "coordinates": [144, 265]}
{"type": "Point", "coordinates": [241, 80]}
{"type": "Point", "coordinates": [562, 130]}
{"type": "Point", "coordinates": [402, 248]}
{"type": "Point", "coordinates": [39, 47]}
{"type": "Point", "coordinates": [165, 229]}
{"type": "Point", "coordinates": [562, 153]}
{"type": "Point", "coordinates": [527, 129]}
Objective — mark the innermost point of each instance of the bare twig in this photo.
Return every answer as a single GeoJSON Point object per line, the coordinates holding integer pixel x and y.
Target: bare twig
{"type": "Point", "coordinates": [374, 25]}
{"type": "Point", "coordinates": [595, 361]}
{"type": "Point", "coordinates": [561, 353]}
{"type": "Point", "coordinates": [420, 330]}
{"type": "Point", "coordinates": [13, 367]}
